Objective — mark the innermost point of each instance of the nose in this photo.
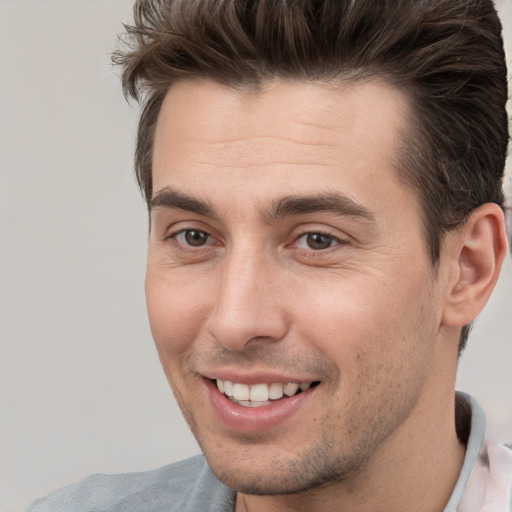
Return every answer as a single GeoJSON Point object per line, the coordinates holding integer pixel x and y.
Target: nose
{"type": "Point", "coordinates": [249, 307]}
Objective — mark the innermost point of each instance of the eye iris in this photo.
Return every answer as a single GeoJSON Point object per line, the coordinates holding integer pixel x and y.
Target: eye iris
{"type": "Point", "coordinates": [196, 238]}
{"type": "Point", "coordinates": [318, 241]}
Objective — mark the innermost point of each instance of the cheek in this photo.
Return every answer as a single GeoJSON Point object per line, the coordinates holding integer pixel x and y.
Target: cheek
{"type": "Point", "coordinates": [356, 321]}
{"type": "Point", "coordinates": [175, 313]}
{"type": "Point", "coordinates": [337, 316]}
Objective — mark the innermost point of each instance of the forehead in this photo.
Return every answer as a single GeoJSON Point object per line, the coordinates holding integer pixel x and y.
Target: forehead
{"type": "Point", "coordinates": [308, 135]}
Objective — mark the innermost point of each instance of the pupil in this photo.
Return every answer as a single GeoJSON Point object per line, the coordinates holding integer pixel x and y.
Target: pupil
{"type": "Point", "coordinates": [195, 238]}
{"type": "Point", "coordinates": [318, 241]}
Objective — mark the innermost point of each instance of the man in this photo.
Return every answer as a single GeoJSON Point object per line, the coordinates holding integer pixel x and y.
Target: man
{"type": "Point", "coordinates": [324, 186]}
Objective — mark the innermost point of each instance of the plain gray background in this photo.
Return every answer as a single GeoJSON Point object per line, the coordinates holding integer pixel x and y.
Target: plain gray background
{"type": "Point", "coordinates": [81, 389]}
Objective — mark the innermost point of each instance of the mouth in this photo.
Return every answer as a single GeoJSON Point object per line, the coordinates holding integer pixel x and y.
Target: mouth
{"type": "Point", "coordinates": [263, 394]}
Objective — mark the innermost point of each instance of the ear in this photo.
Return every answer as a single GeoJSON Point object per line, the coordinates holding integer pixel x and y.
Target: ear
{"type": "Point", "coordinates": [475, 255]}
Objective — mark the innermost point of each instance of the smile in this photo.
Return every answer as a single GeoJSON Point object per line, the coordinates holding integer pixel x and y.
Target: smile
{"type": "Point", "coordinates": [260, 395]}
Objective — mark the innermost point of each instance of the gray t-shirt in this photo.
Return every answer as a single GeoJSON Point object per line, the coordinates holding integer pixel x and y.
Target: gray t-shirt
{"type": "Point", "coordinates": [187, 486]}
{"type": "Point", "coordinates": [190, 486]}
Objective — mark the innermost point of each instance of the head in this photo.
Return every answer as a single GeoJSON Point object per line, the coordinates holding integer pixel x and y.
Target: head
{"type": "Point", "coordinates": [297, 157]}
{"type": "Point", "coordinates": [445, 55]}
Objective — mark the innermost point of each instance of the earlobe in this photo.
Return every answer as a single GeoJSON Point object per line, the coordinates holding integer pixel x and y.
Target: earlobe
{"type": "Point", "coordinates": [476, 254]}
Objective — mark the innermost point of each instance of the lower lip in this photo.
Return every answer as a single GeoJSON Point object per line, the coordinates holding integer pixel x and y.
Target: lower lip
{"type": "Point", "coordinates": [254, 419]}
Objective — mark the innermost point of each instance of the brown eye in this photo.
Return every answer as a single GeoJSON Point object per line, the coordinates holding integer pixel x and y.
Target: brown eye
{"type": "Point", "coordinates": [193, 237]}
{"type": "Point", "coordinates": [318, 241]}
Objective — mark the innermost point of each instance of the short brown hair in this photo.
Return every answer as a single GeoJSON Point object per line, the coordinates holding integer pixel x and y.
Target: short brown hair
{"type": "Point", "coordinates": [446, 54]}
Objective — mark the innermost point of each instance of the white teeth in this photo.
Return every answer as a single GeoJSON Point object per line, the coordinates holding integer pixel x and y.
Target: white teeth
{"type": "Point", "coordinates": [248, 403]}
{"type": "Point", "coordinates": [275, 391]}
{"type": "Point", "coordinates": [240, 391]}
{"type": "Point", "coordinates": [228, 387]}
{"type": "Point", "coordinates": [290, 389]}
{"type": "Point", "coordinates": [259, 394]}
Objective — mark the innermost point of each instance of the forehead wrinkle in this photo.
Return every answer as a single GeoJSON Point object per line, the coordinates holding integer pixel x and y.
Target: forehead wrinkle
{"type": "Point", "coordinates": [264, 140]}
{"type": "Point", "coordinates": [257, 148]}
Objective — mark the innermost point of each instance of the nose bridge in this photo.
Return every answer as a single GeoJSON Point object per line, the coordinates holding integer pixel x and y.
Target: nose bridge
{"type": "Point", "coordinates": [246, 308]}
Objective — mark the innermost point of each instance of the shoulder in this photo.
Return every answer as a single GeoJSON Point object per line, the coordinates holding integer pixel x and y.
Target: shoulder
{"type": "Point", "coordinates": [185, 486]}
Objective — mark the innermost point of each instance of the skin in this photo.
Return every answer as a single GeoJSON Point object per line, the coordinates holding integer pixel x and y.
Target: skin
{"type": "Point", "coordinates": [365, 315]}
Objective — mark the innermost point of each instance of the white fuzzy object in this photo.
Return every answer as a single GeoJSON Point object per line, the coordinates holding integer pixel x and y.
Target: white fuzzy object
{"type": "Point", "coordinates": [489, 487]}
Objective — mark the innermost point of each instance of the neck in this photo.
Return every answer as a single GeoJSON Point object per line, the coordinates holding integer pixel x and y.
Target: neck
{"type": "Point", "coordinates": [417, 458]}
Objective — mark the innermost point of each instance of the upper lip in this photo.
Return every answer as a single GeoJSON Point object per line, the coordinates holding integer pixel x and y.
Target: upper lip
{"type": "Point", "coordinates": [256, 377]}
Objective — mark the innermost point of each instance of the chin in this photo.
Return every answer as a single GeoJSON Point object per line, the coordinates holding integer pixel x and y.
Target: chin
{"type": "Point", "coordinates": [282, 475]}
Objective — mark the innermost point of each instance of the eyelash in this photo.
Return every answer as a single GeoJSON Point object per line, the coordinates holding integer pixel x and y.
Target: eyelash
{"type": "Point", "coordinates": [333, 240]}
{"type": "Point", "coordinates": [174, 237]}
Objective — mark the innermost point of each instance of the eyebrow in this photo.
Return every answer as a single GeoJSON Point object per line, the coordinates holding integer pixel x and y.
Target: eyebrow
{"type": "Point", "coordinates": [334, 202]}
{"type": "Point", "coordinates": [171, 198]}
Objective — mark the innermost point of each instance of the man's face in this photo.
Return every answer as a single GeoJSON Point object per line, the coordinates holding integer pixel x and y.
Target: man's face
{"type": "Point", "coordinates": [284, 249]}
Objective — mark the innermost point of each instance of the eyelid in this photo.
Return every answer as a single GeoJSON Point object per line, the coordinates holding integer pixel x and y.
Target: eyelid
{"type": "Point", "coordinates": [175, 228]}
{"type": "Point", "coordinates": [326, 235]}
{"type": "Point", "coordinates": [340, 239]}
{"type": "Point", "coordinates": [185, 231]}
{"type": "Point", "coordinates": [175, 234]}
